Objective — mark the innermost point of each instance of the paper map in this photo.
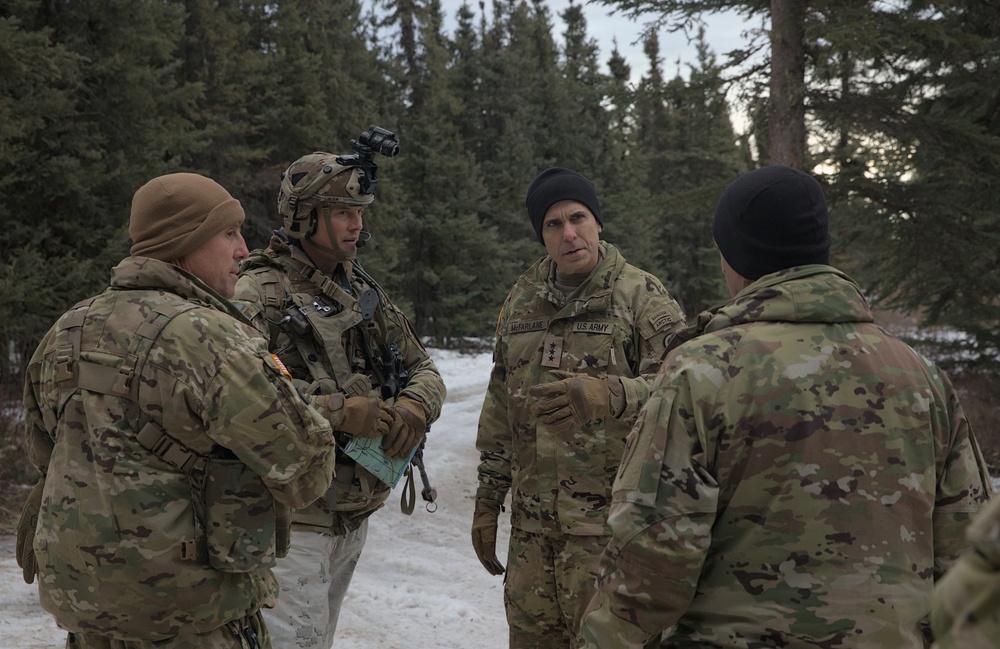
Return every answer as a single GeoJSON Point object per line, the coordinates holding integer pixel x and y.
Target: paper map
{"type": "Point", "coordinates": [369, 454]}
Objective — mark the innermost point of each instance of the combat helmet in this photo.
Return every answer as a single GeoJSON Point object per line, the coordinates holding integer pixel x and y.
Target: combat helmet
{"type": "Point", "coordinates": [314, 181]}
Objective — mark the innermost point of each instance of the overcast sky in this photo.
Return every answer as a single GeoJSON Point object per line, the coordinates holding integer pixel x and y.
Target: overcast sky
{"type": "Point", "coordinates": [723, 33]}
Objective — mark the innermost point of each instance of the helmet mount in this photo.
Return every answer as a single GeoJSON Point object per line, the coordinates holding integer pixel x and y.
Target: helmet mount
{"type": "Point", "coordinates": [320, 178]}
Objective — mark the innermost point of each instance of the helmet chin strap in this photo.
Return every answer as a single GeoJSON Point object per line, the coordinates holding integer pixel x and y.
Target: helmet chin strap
{"type": "Point", "coordinates": [336, 254]}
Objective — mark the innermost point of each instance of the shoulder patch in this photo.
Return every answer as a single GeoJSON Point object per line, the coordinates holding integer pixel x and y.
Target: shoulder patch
{"type": "Point", "coordinates": [281, 366]}
{"type": "Point", "coordinates": [664, 318]}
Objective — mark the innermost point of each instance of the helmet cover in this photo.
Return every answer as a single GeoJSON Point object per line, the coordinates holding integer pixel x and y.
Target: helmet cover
{"type": "Point", "coordinates": [313, 181]}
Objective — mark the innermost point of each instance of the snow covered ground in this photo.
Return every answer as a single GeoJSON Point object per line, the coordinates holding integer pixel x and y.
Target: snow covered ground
{"type": "Point", "coordinates": [419, 583]}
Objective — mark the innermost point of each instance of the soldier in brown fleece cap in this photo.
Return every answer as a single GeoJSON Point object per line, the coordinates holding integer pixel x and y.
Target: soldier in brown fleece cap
{"type": "Point", "coordinates": [192, 222]}
{"type": "Point", "coordinates": [169, 440]}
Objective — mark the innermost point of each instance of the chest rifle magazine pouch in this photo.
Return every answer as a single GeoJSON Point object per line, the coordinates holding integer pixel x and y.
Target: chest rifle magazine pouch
{"type": "Point", "coordinates": [240, 518]}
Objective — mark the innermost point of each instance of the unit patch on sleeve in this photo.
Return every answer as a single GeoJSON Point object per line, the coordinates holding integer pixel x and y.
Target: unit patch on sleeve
{"type": "Point", "coordinates": [664, 318]}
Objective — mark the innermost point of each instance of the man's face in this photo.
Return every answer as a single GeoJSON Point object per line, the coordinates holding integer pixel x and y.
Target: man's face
{"type": "Point", "coordinates": [339, 231]}
{"type": "Point", "coordinates": [572, 236]}
{"type": "Point", "coordinates": [217, 261]}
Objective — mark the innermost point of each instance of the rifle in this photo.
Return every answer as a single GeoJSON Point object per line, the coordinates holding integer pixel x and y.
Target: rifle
{"type": "Point", "coordinates": [394, 377]}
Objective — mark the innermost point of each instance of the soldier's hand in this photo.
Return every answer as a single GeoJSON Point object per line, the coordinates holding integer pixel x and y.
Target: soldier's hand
{"type": "Point", "coordinates": [365, 417]}
{"type": "Point", "coordinates": [571, 402]}
{"type": "Point", "coordinates": [484, 534]}
{"type": "Point", "coordinates": [409, 423]}
{"type": "Point", "coordinates": [26, 532]}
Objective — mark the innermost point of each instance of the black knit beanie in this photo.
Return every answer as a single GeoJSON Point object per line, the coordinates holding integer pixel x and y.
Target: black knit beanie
{"type": "Point", "coordinates": [559, 184]}
{"type": "Point", "coordinates": [771, 219]}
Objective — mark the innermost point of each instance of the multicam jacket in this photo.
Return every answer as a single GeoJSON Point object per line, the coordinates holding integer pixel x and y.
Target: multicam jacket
{"type": "Point", "coordinates": [165, 432]}
{"type": "Point", "coordinates": [615, 324]}
{"type": "Point", "coordinates": [798, 478]}
{"type": "Point", "coordinates": [329, 339]}
{"type": "Point", "coordinates": [964, 608]}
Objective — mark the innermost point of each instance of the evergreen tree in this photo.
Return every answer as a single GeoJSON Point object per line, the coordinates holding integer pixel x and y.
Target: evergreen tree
{"type": "Point", "coordinates": [448, 256]}
{"type": "Point", "coordinates": [913, 141]}
{"type": "Point", "coordinates": [89, 110]}
{"type": "Point", "coordinates": [519, 99]}
{"type": "Point", "coordinates": [702, 158]}
{"type": "Point", "coordinates": [630, 217]}
{"type": "Point", "coordinates": [35, 101]}
{"type": "Point", "coordinates": [217, 54]}
{"type": "Point", "coordinates": [900, 106]}
{"type": "Point", "coordinates": [465, 79]}
{"type": "Point", "coordinates": [689, 150]}
{"type": "Point", "coordinates": [582, 137]}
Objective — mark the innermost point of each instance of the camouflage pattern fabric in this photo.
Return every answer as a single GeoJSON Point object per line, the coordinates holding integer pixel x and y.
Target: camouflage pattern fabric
{"type": "Point", "coordinates": [232, 635]}
{"type": "Point", "coordinates": [549, 582]}
{"type": "Point", "coordinates": [122, 541]}
{"type": "Point", "coordinates": [328, 348]}
{"type": "Point", "coordinates": [965, 606]}
{"type": "Point", "coordinates": [615, 324]}
{"type": "Point", "coordinates": [268, 280]}
{"type": "Point", "coordinates": [798, 478]}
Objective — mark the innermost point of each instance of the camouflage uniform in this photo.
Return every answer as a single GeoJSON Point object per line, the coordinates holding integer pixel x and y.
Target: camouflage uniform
{"type": "Point", "coordinates": [798, 478]}
{"type": "Point", "coordinates": [615, 324]}
{"type": "Point", "coordinates": [965, 605]}
{"type": "Point", "coordinates": [167, 437]}
{"type": "Point", "coordinates": [331, 355]}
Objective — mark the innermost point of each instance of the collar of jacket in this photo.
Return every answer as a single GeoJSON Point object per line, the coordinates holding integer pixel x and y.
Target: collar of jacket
{"type": "Point", "coordinates": [815, 293]}
{"type": "Point", "coordinates": [593, 296]}
{"type": "Point", "coordinates": [147, 274]}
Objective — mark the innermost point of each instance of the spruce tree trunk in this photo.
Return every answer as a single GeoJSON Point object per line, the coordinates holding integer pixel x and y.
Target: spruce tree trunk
{"type": "Point", "coordinates": [786, 112]}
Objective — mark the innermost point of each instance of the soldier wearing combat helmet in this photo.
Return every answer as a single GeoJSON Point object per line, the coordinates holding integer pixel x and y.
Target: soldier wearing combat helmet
{"type": "Point", "coordinates": [169, 440]}
{"type": "Point", "coordinates": [355, 357]}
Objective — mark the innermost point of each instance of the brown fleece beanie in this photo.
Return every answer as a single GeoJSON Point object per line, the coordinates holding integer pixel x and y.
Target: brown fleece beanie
{"type": "Point", "coordinates": [174, 214]}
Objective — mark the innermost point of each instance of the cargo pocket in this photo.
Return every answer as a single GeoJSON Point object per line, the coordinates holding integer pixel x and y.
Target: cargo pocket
{"type": "Point", "coordinates": [239, 518]}
{"type": "Point", "coordinates": [355, 492]}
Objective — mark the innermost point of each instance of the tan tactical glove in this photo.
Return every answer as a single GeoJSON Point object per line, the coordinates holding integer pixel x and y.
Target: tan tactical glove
{"type": "Point", "coordinates": [366, 417]}
{"type": "Point", "coordinates": [484, 534]}
{"type": "Point", "coordinates": [409, 423]}
{"type": "Point", "coordinates": [572, 402]}
{"type": "Point", "coordinates": [26, 532]}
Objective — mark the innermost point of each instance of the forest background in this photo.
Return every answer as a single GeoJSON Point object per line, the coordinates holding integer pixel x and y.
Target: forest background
{"type": "Point", "coordinates": [894, 104]}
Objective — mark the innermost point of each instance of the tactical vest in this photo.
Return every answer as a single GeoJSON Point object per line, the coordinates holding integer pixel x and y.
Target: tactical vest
{"type": "Point", "coordinates": [237, 534]}
{"type": "Point", "coordinates": [334, 334]}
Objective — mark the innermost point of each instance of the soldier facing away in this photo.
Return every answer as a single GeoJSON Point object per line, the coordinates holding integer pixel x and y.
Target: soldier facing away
{"type": "Point", "coordinates": [798, 477]}
{"type": "Point", "coordinates": [169, 443]}
{"type": "Point", "coordinates": [578, 339]}
{"type": "Point", "coordinates": [358, 360]}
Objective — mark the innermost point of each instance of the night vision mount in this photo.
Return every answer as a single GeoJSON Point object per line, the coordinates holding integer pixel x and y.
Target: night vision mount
{"type": "Point", "coordinates": [375, 140]}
